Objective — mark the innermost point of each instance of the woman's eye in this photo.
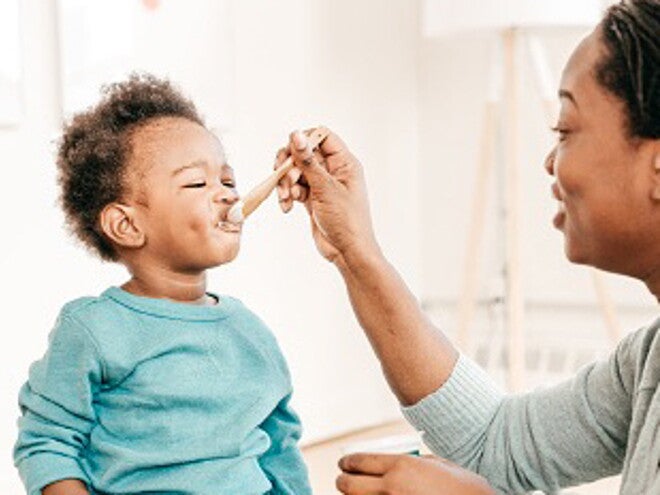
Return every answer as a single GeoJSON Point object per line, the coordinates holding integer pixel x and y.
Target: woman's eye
{"type": "Point", "coordinates": [195, 185]}
{"type": "Point", "coordinates": [230, 184]}
{"type": "Point", "coordinates": [561, 131]}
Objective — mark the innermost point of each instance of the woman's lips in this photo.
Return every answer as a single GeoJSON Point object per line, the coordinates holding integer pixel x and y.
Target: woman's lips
{"type": "Point", "coordinates": [560, 217]}
{"type": "Point", "coordinates": [555, 192]}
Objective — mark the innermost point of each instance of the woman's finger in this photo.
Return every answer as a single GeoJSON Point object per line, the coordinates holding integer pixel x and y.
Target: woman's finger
{"type": "Point", "coordinates": [353, 484]}
{"type": "Point", "coordinates": [377, 464]}
{"type": "Point", "coordinates": [284, 185]}
{"type": "Point", "coordinates": [306, 160]}
{"type": "Point", "coordinates": [294, 175]}
{"type": "Point", "coordinates": [299, 193]}
{"type": "Point", "coordinates": [280, 157]}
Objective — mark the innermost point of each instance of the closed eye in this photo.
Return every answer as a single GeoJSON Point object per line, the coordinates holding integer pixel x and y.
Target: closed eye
{"type": "Point", "coordinates": [195, 185]}
{"type": "Point", "coordinates": [561, 131]}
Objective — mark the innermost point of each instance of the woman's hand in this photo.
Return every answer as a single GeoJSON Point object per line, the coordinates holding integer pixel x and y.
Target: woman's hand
{"type": "Point", "coordinates": [373, 474]}
{"type": "Point", "coordinates": [330, 183]}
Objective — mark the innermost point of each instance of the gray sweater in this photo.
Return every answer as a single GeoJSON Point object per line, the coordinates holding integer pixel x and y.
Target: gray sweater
{"type": "Point", "coordinates": [604, 421]}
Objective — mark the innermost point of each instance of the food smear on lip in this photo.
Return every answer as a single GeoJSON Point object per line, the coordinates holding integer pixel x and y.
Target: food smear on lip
{"type": "Point", "coordinates": [228, 226]}
{"type": "Point", "coordinates": [236, 213]}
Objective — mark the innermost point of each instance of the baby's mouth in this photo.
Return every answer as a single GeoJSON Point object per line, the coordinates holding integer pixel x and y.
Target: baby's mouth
{"type": "Point", "coordinates": [228, 226]}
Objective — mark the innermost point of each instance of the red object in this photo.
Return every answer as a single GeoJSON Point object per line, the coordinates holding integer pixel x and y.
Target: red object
{"type": "Point", "coordinates": [151, 4]}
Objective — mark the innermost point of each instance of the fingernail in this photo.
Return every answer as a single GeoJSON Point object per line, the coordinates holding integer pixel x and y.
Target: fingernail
{"type": "Point", "coordinates": [300, 140]}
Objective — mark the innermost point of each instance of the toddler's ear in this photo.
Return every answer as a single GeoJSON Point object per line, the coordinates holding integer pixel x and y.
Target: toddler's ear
{"type": "Point", "coordinates": [118, 223]}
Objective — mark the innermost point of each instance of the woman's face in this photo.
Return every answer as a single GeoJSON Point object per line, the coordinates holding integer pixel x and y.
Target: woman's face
{"type": "Point", "coordinates": [603, 179]}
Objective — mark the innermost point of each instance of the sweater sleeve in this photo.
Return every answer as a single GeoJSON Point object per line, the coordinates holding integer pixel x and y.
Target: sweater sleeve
{"type": "Point", "coordinates": [283, 462]}
{"type": "Point", "coordinates": [56, 406]}
{"type": "Point", "coordinates": [564, 435]}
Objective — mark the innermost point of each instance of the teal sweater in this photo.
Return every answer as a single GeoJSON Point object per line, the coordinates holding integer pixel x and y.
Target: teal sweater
{"type": "Point", "coordinates": [137, 395]}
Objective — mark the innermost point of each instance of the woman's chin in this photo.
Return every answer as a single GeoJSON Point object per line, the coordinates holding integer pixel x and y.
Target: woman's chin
{"type": "Point", "coordinates": [574, 254]}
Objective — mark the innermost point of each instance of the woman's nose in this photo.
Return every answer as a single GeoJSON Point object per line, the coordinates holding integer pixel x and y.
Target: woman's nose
{"type": "Point", "coordinates": [550, 162]}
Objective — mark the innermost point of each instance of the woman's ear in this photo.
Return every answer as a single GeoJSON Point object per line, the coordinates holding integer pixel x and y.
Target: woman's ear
{"type": "Point", "coordinates": [650, 154]}
{"type": "Point", "coordinates": [655, 191]}
{"type": "Point", "coordinates": [119, 223]}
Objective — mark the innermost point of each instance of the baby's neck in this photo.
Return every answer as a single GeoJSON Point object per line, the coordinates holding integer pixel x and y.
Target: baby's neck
{"type": "Point", "coordinates": [185, 288]}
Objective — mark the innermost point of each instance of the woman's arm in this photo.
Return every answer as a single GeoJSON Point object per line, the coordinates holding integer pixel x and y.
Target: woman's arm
{"type": "Point", "coordinates": [416, 357]}
{"type": "Point", "coordinates": [571, 433]}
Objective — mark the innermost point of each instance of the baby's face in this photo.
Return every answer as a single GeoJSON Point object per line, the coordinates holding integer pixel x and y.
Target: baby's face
{"type": "Point", "coordinates": [183, 189]}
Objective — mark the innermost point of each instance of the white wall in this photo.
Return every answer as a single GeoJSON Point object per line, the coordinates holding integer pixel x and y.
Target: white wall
{"type": "Point", "coordinates": [296, 63]}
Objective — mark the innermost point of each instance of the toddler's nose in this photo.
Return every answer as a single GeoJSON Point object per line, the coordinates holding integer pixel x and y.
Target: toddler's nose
{"type": "Point", "coordinates": [232, 196]}
{"type": "Point", "coordinates": [226, 195]}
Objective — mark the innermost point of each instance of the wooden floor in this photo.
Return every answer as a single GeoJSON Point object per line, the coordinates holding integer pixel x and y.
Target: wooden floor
{"type": "Point", "coordinates": [322, 461]}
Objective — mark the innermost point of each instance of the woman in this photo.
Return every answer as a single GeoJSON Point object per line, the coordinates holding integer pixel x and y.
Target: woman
{"type": "Point", "coordinates": [606, 166]}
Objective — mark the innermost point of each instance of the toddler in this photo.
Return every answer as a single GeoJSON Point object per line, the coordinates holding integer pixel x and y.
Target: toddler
{"type": "Point", "coordinates": [157, 386]}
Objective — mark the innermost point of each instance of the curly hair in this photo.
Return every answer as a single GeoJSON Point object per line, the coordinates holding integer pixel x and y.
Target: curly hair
{"type": "Point", "coordinates": [95, 147]}
{"type": "Point", "coordinates": [630, 69]}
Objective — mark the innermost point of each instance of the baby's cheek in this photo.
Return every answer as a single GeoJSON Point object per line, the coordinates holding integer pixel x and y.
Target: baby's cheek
{"type": "Point", "coordinates": [200, 226]}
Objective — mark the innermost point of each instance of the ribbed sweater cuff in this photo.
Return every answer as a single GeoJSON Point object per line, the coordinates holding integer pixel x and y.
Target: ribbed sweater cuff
{"type": "Point", "coordinates": [458, 411]}
{"type": "Point", "coordinates": [39, 470]}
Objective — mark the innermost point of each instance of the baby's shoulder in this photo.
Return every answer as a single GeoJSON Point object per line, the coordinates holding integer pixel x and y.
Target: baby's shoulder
{"type": "Point", "coordinates": [104, 321]}
{"type": "Point", "coordinates": [78, 306]}
{"type": "Point", "coordinates": [83, 320]}
{"type": "Point", "coordinates": [89, 309]}
{"type": "Point", "coordinates": [116, 332]}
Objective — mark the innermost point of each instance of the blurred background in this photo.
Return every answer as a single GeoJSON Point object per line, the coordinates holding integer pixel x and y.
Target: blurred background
{"type": "Point", "coordinates": [409, 96]}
